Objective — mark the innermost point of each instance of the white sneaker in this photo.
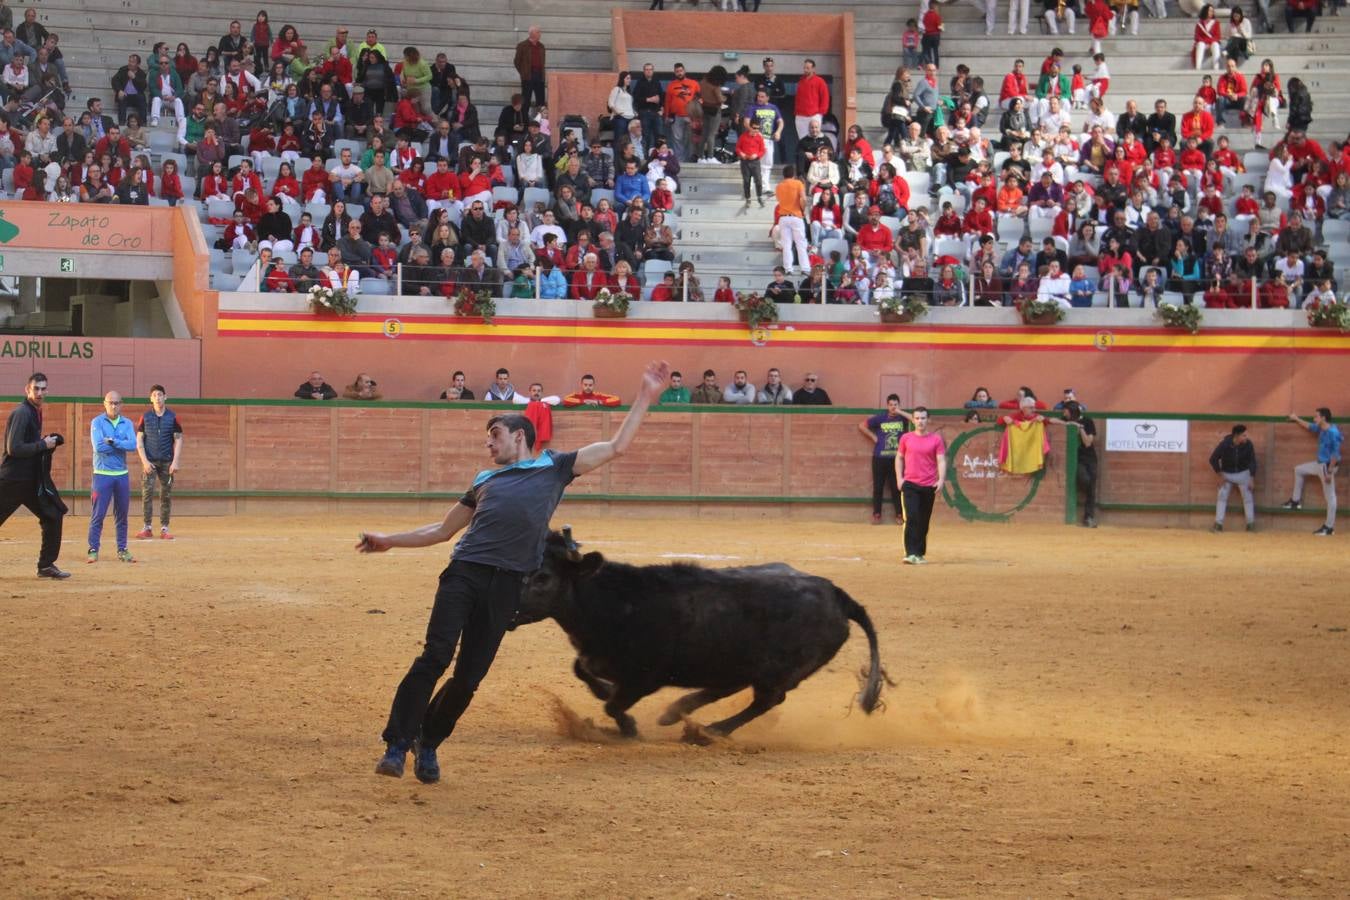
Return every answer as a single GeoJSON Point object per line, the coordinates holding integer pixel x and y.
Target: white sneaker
{"type": "Point", "coordinates": [154, 123]}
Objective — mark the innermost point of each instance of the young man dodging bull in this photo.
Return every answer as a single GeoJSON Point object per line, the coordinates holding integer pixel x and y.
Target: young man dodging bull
{"type": "Point", "coordinates": [506, 512]}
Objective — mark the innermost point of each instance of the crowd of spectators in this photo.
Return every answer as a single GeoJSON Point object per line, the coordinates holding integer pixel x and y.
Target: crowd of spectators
{"type": "Point", "coordinates": [740, 392]}
{"type": "Point", "coordinates": [340, 163]}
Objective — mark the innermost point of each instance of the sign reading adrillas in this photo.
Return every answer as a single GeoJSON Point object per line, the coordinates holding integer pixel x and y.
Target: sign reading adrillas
{"type": "Point", "coordinates": [45, 348]}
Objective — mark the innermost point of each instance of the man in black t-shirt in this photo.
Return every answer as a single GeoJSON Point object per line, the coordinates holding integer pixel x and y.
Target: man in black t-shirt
{"type": "Point", "coordinates": [506, 512]}
{"type": "Point", "coordinates": [1087, 459]}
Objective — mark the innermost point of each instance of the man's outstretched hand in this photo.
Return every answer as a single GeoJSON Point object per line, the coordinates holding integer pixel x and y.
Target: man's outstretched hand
{"type": "Point", "coordinates": [654, 379]}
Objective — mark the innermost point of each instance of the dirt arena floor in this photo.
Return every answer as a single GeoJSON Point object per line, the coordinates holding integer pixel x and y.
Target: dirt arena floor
{"type": "Point", "coordinates": [1116, 712]}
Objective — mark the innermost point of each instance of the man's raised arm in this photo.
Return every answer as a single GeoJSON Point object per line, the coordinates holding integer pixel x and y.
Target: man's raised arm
{"type": "Point", "coordinates": [592, 456]}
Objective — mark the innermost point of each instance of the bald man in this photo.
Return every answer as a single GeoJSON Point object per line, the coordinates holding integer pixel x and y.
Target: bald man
{"type": "Point", "coordinates": [113, 436]}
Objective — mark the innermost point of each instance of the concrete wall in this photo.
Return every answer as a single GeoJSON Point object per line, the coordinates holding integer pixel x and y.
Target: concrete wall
{"type": "Point", "coordinates": [318, 458]}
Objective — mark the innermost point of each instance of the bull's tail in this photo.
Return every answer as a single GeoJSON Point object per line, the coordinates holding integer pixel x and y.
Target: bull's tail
{"type": "Point", "coordinates": [871, 691]}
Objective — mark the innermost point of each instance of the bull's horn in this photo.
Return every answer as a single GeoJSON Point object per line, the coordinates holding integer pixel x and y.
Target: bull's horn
{"type": "Point", "coordinates": [568, 541]}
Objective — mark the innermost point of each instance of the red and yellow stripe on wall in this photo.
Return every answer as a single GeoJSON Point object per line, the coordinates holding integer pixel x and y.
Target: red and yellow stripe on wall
{"type": "Point", "coordinates": [783, 334]}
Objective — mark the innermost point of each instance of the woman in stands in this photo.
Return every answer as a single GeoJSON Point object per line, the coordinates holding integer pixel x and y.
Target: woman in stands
{"type": "Point", "coordinates": [895, 109]}
{"type": "Point", "coordinates": [444, 238]}
{"type": "Point", "coordinates": [277, 83]}
{"type": "Point", "coordinates": [620, 103]}
{"type": "Point", "coordinates": [989, 291]}
{"type": "Point", "coordinates": [288, 46]}
{"type": "Point", "coordinates": [1083, 245]}
{"type": "Point", "coordinates": [625, 281]}
{"type": "Point", "coordinates": [373, 72]}
{"type": "Point", "coordinates": [1208, 32]}
{"type": "Point", "coordinates": [606, 216]}
{"type": "Point", "coordinates": [529, 167]}
{"type": "Point", "coordinates": [1263, 101]}
{"type": "Point", "coordinates": [274, 228]}
{"type": "Point", "coordinates": [63, 192]}
{"type": "Point", "coordinates": [134, 132]}
{"type": "Point", "coordinates": [335, 224]}
{"type": "Point", "coordinates": [948, 289]}
{"type": "Point", "coordinates": [827, 218]}
{"type": "Point", "coordinates": [464, 118]}
{"type": "Point", "coordinates": [142, 162]}
{"type": "Point", "coordinates": [184, 63]}
{"type": "Point", "coordinates": [659, 240]}
{"type": "Point", "coordinates": [1015, 124]}
{"type": "Point", "coordinates": [1239, 31]}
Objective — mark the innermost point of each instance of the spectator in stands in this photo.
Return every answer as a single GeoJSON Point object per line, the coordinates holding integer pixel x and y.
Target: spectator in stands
{"type": "Point", "coordinates": [681, 91]}
{"type": "Point", "coordinates": [304, 274]}
{"type": "Point", "coordinates": [765, 118]}
{"type": "Point", "coordinates": [131, 189]}
{"type": "Point", "coordinates": [362, 388]}
{"type": "Point", "coordinates": [338, 275]}
{"type": "Point", "coordinates": [589, 396]}
{"type": "Point", "coordinates": [589, 280]}
{"type": "Point", "coordinates": [740, 392]}
{"type": "Point", "coordinates": [552, 282]}
{"type": "Point", "coordinates": [676, 392]}
{"type": "Point", "coordinates": [529, 63]}
{"type": "Point", "coordinates": [356, 251]}
{"type": "Point", "coordinates": [707, 391]}
{"type": "Point", "coordinates": [629, 185]}
{"type": "Point", "coordinates": [274, 229]}
{"type": "Point", "coordinates": [315, 388]}
{"type": "Point", "coordinates": [774, 392]}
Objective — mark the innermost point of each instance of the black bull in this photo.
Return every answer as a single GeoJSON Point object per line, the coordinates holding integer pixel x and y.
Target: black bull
{"type": "Point", "coordinates": [638, 629]}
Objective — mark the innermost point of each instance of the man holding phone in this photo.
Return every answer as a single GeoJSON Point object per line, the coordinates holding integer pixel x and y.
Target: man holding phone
{"type": "Point", "coordinates": [113, 436]}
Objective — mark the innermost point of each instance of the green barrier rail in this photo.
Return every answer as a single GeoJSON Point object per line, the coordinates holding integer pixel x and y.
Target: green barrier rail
{"type": "Point", "coordinates": [455, 495]}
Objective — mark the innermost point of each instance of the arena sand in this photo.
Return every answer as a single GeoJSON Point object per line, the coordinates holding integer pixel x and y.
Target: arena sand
{"type": "Point", "coordinates": [1114, 712]}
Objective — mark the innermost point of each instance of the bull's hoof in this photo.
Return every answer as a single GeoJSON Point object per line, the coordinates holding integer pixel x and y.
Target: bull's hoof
{"type": "Point", "coordinates": [670, 717]}
{"type": "Point", "coordinates": [702, 735]}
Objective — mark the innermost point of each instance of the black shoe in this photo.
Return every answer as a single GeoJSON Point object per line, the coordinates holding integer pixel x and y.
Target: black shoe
{"type": "Point", "coordinates": [1251, 526]}
{"type": "Point", "coordinates": [1291, 504]}
{"type": "Point", "coordinates": [1090, 522]}
{"type": "Point", "coordinates": [1215, 528]}
{"type": "Point", "coordinates": [391, 763]}
{"type": "Point", "coordinates": [425, 766]}
{"type": "Point", "coordinates": [1324, 531]}
{"type": "Point", "coordinates": [52, 572]}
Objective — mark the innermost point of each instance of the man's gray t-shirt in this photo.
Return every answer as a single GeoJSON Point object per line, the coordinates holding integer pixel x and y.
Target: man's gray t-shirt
{"type": "Point", "coordinates": [512, 508]}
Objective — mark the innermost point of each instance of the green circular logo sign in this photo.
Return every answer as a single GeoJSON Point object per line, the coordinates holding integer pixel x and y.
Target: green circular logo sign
{"type": "Point", "coordinates": [962, 464]}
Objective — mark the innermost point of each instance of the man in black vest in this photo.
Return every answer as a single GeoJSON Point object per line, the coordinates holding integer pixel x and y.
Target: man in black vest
{"type": "Point", "coordinates": [159, 442]}
{"type": "Point", "coordinates": [26, 473]}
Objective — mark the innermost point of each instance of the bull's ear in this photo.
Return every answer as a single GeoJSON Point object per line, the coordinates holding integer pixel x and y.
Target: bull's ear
{"type": "Point", "coordinates": [590, 564]}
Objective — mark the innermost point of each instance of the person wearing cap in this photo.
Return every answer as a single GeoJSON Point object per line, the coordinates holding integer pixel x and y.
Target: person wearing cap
{"type": "Point", "coordinates": [874, 238]}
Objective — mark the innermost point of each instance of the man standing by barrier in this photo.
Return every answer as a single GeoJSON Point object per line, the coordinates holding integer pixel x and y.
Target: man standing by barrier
{"type": "Point", "coordinates": [1234, 461]}
{"type": "Point", "coordinates": [1328, 461]}
{"type": "Point", "coordinates": [159, 442]}
{"type": "Point", "coordinates": [884, 430]}
{"type": "Point", "coordinates": [921, 469]}
{"type": "Point", "coordinates": [25, 473]}
{"type": "Point", "coordinates": [112, 436]}
{"type": "Point", "coordinates": [506, 512]}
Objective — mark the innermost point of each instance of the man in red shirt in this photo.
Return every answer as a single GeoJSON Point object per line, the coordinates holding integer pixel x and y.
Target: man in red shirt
{"type": "Point", "coordinates": [1231, 90]}
{"type": "Point", "coordinates": [920, 469]}
{"type": "Point", "coordinates": [875, 238]}
{"type": "Point", "coordinates": [813, 99]}
{"type": "Point", "coordinates": [589, 396]}
{"type": "Point", "coordinates": [442, 186]}
{"type": "Point", "coordinates": [1198, 123]}
{"type": "Point", "coordinates": [1014, 85]}
{"type": "Point", "coordinates": [932, 35]}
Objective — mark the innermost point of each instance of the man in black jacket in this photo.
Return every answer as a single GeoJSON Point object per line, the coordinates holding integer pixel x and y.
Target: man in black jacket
{"type": "Point", "coordinates": [315, 389]}
{"type": "Point", "coordinates": [1234, 461]}
{"type": "Point", "coordinates": [25, 474]}
{"type": "Point", "coordinates": [478, 231]}
{"type": "Point", "coordinates": [129, 86]}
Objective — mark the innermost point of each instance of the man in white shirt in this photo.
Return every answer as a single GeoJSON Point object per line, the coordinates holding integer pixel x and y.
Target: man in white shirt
{"type": "Point", "coordinates": [347, 178]}
{"type": "Point", "coordinates": [1055, 286]}
{"type": "Point", "coordinates": [547, 226]}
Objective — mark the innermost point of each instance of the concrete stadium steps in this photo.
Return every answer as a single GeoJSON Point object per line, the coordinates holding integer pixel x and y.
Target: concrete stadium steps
{"type": "Point", "coordinates": [97, 36]}
{"type": "Point", "coordinates": [719, 234]}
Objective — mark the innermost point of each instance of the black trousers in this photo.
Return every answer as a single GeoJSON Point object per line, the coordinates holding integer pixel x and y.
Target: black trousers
{"type": "Point", "coordinates": [14, 494]}
{"type": "Point", "coordinates": [883, 477]}
{"type": "Point", "coordinates": [533, 88]}
{"type": "Point", "coordinates": [919, 502]}
{"type": "Point", "coordinates": [474, 604]}
{"type": "Point", "coordinates": [1087, 486]}
{"type": "Point", "coordinates": [750, 172]}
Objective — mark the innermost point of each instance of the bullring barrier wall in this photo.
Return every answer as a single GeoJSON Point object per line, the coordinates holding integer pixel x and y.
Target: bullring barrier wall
{"type": "Point", "coordinates": [297, 457]}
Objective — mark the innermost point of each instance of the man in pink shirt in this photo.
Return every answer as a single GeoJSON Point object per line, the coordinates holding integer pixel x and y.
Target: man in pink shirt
{"type": "Point", "coordinates": [813, 99]}
{"type": "Point", "coordinates": [921, 468]}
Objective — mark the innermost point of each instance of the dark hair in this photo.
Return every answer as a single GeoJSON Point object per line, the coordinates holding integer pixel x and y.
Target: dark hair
{"type": "Point", "coordinates": [588, 375]}
{"type": "Point", "coordinates": [976, 395]}
{"type": "Point", "coordinates": [890, 397]}
{"type": "Point", "coordinates": [622, 75]}
{"type": "Point", "coordinates": [1074, 409]}
{"type": "Point", "coordinates": [1324, 412]}
{"type": "Point", "coordinates": [1239, 429]}
{"type": "Point", "coordinates": [34, 378]}
{"type": "Point", "coordinates": [789, 171]}
{"type": "Point", "coordinates": [455, 374]}
{"type": "Point", "coordinates": [503, 372]}
{"type": "Point", "coordinates": [514, 422]}
{"type": "Point", "coordinates": [157, 387]}
{"type": "Point", "coordinates": [920, 409]}
{"type": "Point", "coordinates": [707, 372]}
{"type": "Point", "coordinates": [1028, 391]}
{"type": "Point", "coordinates": [676, 374]}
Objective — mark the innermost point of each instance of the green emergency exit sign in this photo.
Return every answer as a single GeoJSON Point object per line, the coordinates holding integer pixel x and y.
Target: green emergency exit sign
{"type": "Point", "coordinates": [67, 264]}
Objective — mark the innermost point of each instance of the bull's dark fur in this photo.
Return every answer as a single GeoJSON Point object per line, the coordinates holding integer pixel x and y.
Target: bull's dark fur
{"type": "Point", "coordinates": [641, 628]}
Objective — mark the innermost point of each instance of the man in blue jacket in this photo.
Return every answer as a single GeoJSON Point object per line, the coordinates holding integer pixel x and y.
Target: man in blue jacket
{"type": "Point", "coordinates": [113, 436]}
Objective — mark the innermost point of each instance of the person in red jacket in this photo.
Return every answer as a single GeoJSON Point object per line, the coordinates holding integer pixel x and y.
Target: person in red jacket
{"type": "Point", "coordinates": [1014, 85]}
{"type": "Point", "coordinates": [442, 186]}
{"type": "Point", "coordinates": [244, 180]}
{"type": "Point", "coordinates": [874, 238]}
{"type": "Point", "coordinates": [978, 221]}
{"type": "Point", "coordinates": [932, 35]}
{"type": "Point", "coordinates": [314, 183]}
{"type": "Point", "coordinates": [170, 184]}
{"type": "Point", "coordinates": [813, 99]}
{"type": "Point", "coordinates": [589, 396]}
{"type": "Point", "coordinates": [590, 279]}
{"type": "Point", "coordinates": [1198, 123]}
